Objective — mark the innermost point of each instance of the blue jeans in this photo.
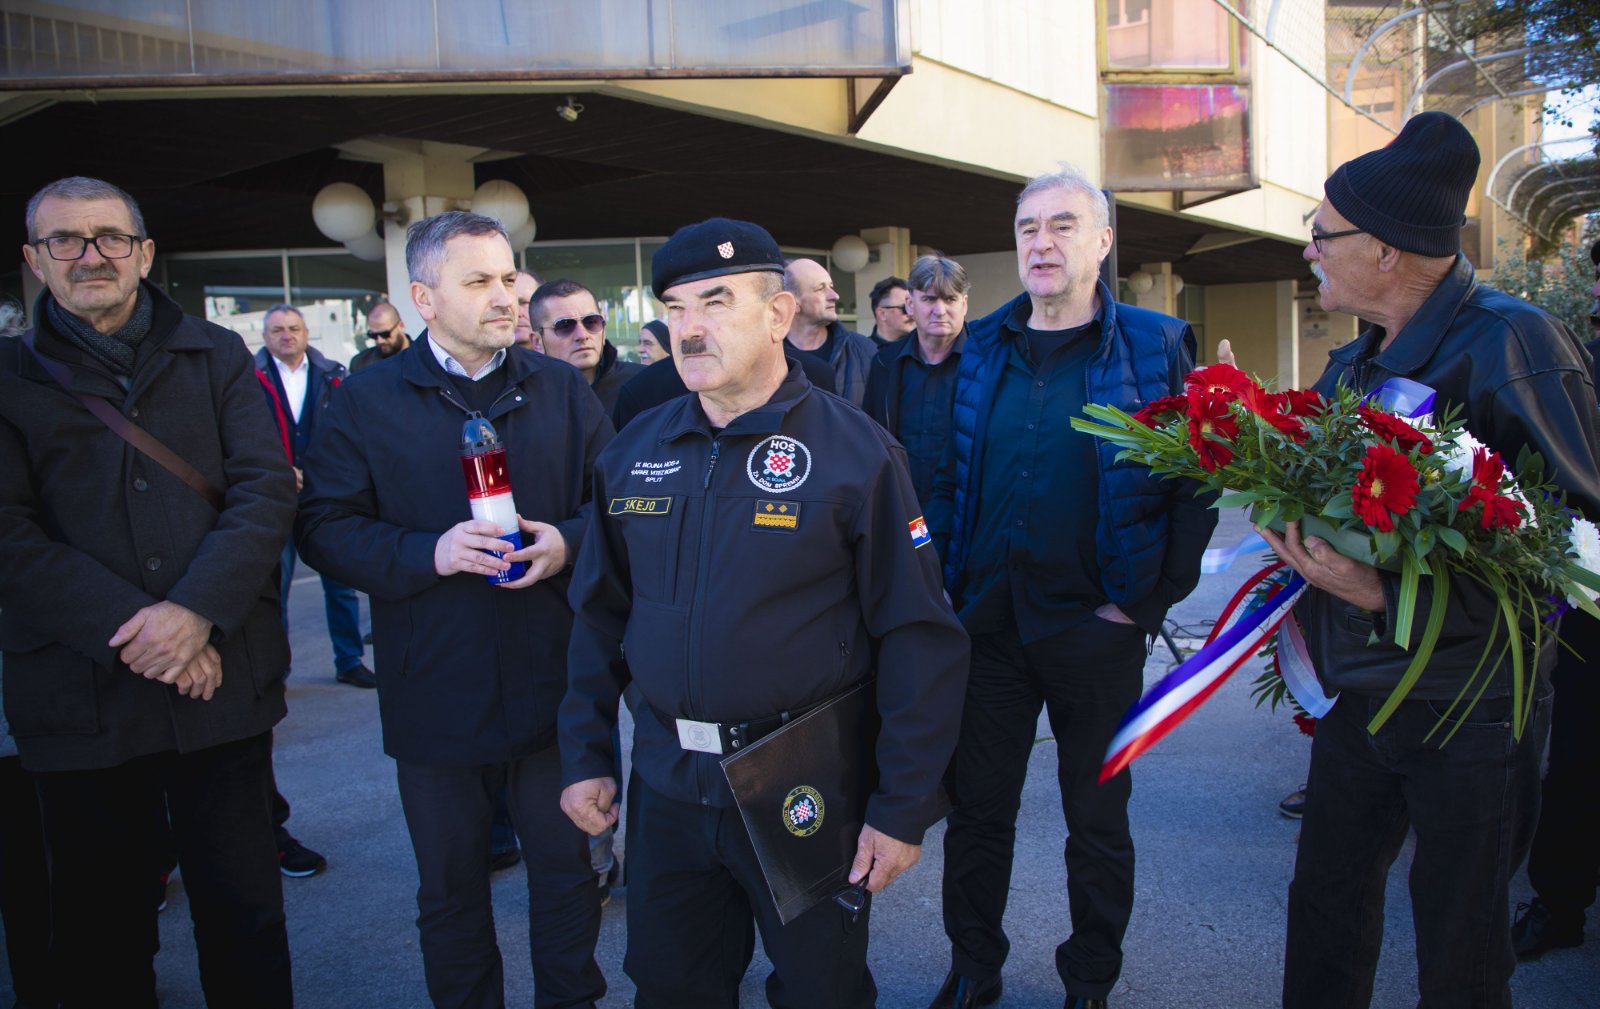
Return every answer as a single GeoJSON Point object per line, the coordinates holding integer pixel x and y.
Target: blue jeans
{"type": "Point", "coordinates": [1473, 805]}
{"type": "Point", "coordinates": [342, 607]}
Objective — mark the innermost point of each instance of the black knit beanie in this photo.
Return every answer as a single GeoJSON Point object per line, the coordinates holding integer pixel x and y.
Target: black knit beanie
{"type": "Point", "coordinates": [1413, 193]}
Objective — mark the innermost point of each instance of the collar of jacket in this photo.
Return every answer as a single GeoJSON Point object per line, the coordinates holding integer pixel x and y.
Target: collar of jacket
{"type": "Point", "coordinates": [1419, 341]}
{"type": "Point", "coordinates": [419, 367]}
{"type": "Point", "coordinates": [913, 348]}
{"type": "Point", "coordinates": [318, 361]}
{"type": "Point", "coordinates": [1017, 314]}
{"type": "Point", "coordinates": [608, 359]}
{"type": "Point", "coordinates": [688, 416]}
{"type": "Point", "coordinates": [167, 334]}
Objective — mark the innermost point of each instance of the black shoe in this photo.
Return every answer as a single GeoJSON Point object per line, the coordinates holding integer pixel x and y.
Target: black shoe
{"type": "Point", "coordinates": [297, 861]}
{"type": "Point", "coordinates": [357, 676]}
{"type": "Point", "coordinates": [1540, 928]}
{"type": "Point", "coordinates": [1294, 804]}
{"type": "Point", "coordinates": [504, 859]}
{"type": "Point", "coordinates": [1079, 1002]}
{"type": "Point", "coordinates": [962, 992]}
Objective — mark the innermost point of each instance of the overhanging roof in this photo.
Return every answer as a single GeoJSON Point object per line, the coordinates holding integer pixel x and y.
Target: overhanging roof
{"type": "Point", "coordinates": [231, 173]}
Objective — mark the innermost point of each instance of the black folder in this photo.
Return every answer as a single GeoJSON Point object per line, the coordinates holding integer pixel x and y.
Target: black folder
{"type": "Point", "coordinates": [802, 791]}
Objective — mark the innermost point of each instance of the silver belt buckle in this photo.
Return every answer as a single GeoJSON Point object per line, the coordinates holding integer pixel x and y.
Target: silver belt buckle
{"type": "Point", "coordinates": [702, 737]}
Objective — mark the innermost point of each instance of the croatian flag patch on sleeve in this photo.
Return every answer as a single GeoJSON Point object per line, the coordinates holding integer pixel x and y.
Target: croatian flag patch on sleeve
{"type": "Point", "coordinates": [919, 533]}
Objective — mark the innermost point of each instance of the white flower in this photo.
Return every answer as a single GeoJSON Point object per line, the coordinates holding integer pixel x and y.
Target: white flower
{"type": "Point", "coordinates": [1457, 453]}
{"type": "Point", "coordinates": [1585, 545]}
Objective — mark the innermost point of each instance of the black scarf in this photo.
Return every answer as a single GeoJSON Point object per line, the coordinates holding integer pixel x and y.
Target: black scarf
{"type": "Point", "coordinates": [114, 350]}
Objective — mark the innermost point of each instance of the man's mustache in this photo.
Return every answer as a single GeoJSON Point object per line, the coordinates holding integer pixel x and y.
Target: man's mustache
{"type": "Point", "coordinates": [692, 345]}
{"type": "Point", "coordinates": [104, 271]}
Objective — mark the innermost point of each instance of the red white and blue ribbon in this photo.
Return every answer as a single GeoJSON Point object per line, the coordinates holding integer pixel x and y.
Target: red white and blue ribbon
{"type": "Point", "coordinates": [1165, 705]}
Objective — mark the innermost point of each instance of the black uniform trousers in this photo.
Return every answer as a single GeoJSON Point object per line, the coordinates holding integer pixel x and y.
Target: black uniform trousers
{"type": "Point", "coordinates": [100, 832]}
{"type": "Point", "coordinates": [1473, 804]}
{"type": "Point", "coordinates": [448, 812]}
{"type": "Point", "coordinates": [24, 888]}
{"type": "Point", "coordinates": [1565, 859]}
{"type": "Point", "coordinates": [1085, 678]}
{"type": "Point", "coordinates": [694, 884]}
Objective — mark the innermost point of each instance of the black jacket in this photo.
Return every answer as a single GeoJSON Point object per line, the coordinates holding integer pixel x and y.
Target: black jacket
{"type": "Point", "coordinates": [850, 360]}
{"type": "Point", "coordinates": [91, 531]}
{"type": "Point", "coordinates": [1521, 378]}
{"type": "Point", "coordinates": [611, 375]}
{"type": "Point", "coordinates": [660, 383]}
{"type": "Point", "coordinates": [467, 673]}
{"type": "Point", "coordinates": [324, 376]}
{"type": "Point", "coordinates": [732, 611]}
{"type": "Point", "coordinates": [882, 400]}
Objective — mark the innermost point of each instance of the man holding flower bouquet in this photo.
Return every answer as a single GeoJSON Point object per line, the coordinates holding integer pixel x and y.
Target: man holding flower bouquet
{"type": "Point", "coordinates": [1385, 246]}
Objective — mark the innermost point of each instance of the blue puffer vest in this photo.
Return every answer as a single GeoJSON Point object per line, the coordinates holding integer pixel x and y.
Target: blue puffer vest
{"type": "Point", "coordinates": [1134, 364]}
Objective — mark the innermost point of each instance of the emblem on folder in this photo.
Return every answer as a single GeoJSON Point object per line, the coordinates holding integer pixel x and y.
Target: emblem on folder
{"type": "Point", "coordinates": [802, 811]}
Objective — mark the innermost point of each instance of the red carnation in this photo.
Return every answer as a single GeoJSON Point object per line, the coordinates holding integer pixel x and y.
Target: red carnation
{"type": "Point", "coordinates": [1273, 407]}
{"type": "Point", "coordinates": [1499, 511]}
{"type": "Point", "coordinates": [1391, 428]}
{"type": "Point", "coordinates": [1209, 414]}
{"type": "Point", "coordinates": [1157, 407]}
{"type": "Point", "coordinates": [1306, 402]}
{"type": "Point", "coordinates": [1386, 487]}
{"type": "Point", "coordinates": [1306, 723]}
{"type": "Point", "coordinates": [1220, 378]}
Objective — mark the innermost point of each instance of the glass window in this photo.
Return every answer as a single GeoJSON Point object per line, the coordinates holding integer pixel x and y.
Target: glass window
{"type": "Point", "coordinates": [234, 292]}
{"type": "Point", "coordinates": [1166, 137]}
{"type": "Point", "coordinates": [1166, 35]}
{"type": "Point", "coordinates": [610, 270]}
{"type": "Point", "coordinates": [335, 292]}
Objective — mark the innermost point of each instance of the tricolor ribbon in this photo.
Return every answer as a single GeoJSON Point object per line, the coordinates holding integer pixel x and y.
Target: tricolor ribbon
{"type": "Point", "coordinates": [1180, 692]}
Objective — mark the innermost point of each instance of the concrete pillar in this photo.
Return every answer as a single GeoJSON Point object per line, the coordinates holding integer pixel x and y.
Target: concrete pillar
{"type": "Point", "coordinates": [1163, 294]}
{"type": "Point", "coordinates": [1261, 321]}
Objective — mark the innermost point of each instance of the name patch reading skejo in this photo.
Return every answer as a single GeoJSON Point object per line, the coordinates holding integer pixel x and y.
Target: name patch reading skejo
{"type": "Point", "coordinates": [640, 506]}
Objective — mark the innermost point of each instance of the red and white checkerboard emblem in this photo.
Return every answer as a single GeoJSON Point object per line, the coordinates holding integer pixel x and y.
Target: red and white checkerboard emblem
{"type": "Point", "coordinates": [778, 464]}
{"type": "Point", "coordinates": [802, 811]}
{"type": "Point", "coordinates": [725, 250]}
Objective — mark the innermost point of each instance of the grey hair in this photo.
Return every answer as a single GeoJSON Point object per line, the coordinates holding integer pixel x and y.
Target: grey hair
{"type": "Point", "coordinates": [282, 307]}
{"type": "Point", "coordinates": [425, 240]}
{"type": "Point", "coordinates": [81, 187]}
{"type": "Point", "coordinates": [944, 277]}
{"type": "Point", "coordinates": [1070, 176]}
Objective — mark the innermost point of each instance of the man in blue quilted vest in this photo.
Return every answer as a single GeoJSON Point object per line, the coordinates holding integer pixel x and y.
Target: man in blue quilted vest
{"type": "Point", "coordinates": [1061, 563]}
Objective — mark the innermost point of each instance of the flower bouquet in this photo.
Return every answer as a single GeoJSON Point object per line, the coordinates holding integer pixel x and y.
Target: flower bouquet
{"type": "Point", "coordinates": [1386, 482]}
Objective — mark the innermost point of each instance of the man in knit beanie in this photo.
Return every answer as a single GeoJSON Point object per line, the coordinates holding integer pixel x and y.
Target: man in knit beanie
{"type": "Point", "coordinates": [1385, 245]}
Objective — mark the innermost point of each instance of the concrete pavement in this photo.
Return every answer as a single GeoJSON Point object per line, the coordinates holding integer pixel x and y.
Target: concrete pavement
{"type": "Point", "coordinates": [1214, 861]}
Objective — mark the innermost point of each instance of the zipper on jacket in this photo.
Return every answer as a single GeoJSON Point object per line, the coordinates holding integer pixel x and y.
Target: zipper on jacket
{"type": "Point", "coordinates": [696, 609]}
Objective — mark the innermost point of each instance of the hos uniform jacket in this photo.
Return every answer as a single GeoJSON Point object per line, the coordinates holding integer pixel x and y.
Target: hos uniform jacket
{"type": "Point", "coordinates": [467, 673]}
{"type": "Point", "coordinates": [92, 531]}
{"type": "Point", "coordinates": [757, 571]}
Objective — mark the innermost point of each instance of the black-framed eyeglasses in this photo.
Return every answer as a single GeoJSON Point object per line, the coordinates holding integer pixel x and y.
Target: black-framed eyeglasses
{"type": "Point", "coordinates": [381, 334]}
{"type": "Point", "coordinates": [70, 248]}
{"type": "Point", "coordinates": [904, 306]}
{"type": "Point", "coordinates": [1318, 237]}
{"type": "Point", "coordinates": [595, 324]}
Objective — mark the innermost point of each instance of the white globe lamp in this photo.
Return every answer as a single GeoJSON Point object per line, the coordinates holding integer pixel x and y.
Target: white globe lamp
{"type": "Point", "coordinates": [502, 201]}
{"type": "Point", "coordinates": [523, 236]}
{"type": "Point", "coordinates": [367, 246]}
{"type": "Point", "coordinates": [850, 253]}
{"type": "Point", "coordinates": [1140, 282]}
{"type": "Point", "coordinates": [343, 211]}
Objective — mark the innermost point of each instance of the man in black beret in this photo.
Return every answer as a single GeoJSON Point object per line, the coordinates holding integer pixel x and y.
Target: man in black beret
{"type": "Point", "coordinates": [1386, 246]}
{"type": "Point", "coordinates": [759, 548]}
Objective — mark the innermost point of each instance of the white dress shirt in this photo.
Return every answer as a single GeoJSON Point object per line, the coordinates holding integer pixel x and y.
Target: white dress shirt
{"type": "Point", "coordinates": [294, 383]}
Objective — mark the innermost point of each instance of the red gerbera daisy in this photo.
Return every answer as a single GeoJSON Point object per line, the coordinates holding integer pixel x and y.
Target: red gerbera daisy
{"type": "Point", "coordinates": [1210, 414]}
{"type": "Point", "coordinates": [1220, 378]}
{"type": "Point", "coordinates": [1391, 428]}
{"type": "Point", "coordinates": [1273, 407]}
{"type": "Point", "coordinates": [1157, 407]}
{"type": "Point", "coordinates": [1386, 487]}
{"type": "Point", "coordinates": [1487, 468]}
{"type": "Point", "coordinates": [1306, 402]}
{"type": "Point", "coordinates": [1305, 723]}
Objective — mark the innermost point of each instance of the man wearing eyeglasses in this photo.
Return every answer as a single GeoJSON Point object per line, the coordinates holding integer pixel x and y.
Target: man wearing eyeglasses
{"type": "Point", "coordinates": [568, 320]}
{"type": "Point", "coordinates": [144, 657]}
{"type": "Point", "coordinates": [387, 331]}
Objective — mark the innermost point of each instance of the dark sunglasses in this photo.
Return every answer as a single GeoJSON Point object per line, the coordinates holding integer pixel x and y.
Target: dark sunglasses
{"type": "Point", "coordinates": [379, 334]}
{"type": "Point", "coordinates": [564, 327]}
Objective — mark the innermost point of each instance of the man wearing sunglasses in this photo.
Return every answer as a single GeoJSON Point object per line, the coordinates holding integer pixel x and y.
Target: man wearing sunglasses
{"type": "Point", "coordinates": [387, 331]}
{"type": "Point", "coordinates": [568, 320]}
